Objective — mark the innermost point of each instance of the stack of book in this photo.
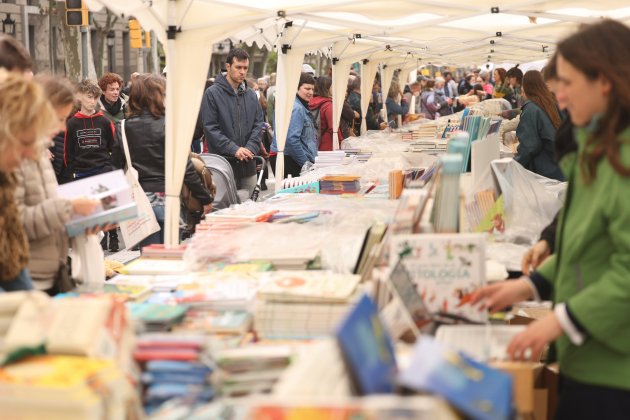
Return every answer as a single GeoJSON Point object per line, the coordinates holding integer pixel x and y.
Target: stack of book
{"type": "Point", "coordinates": [65, 387]}
{"type": "Point", "coordinates": [331, 158]}
{"type": "Point", "coordinates": [173, 367]}
{"type": "Point", "coordinates": [239, 214]}
{"type": "Point", "coordinates": [252, 369]}
{"type": "Point", "coordinates": [428, 146]}
{"type": "Point", "coordinates": [170, 379]}
{"type": "Point", "coordinates": [303, 304]}
{"type": "Point", "coordinates": [339, 184]}
{"type": "Point", "coordinates": [157, 317]}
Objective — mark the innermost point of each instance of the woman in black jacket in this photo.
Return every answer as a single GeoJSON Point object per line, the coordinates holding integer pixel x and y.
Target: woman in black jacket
{"type": "Point", "coordinates": [145, 131]}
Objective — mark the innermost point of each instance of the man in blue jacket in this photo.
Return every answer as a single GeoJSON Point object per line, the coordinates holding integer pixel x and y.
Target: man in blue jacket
{"type": "Point", "coordinates": [301, 143]}
{"type": "Point", "coordinates": [233, 119]}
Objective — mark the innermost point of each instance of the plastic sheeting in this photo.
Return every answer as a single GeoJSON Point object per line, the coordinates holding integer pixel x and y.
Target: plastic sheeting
{"type": "Point", "coordinates": [530, 200]}
{"type": "Point", "coordinates": [337, 233]}
{"type": "Point", "coordinates": [368, 73]}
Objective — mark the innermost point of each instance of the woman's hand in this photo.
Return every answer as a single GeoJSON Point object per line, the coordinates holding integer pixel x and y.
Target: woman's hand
{"type": "Point", "coordinates": [499, 296]}
{"type": "Point", "coordinates": [96, 229]}
{"type": "Point", "coordinates": [530, 344]}
{"type": "Point", "coordinates": [207, 209]}
{"type": "Point", "coordinates": [535, 256]}
{"type": "Point", "coordinates": [84, 206]}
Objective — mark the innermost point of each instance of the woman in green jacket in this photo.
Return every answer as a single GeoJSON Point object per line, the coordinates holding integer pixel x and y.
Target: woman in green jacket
{"type": "Point", "coordinates": [588, 277]}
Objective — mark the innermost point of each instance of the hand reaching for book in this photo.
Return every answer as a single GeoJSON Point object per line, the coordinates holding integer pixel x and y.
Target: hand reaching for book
{"type": "Point", "coordinates": [535, 256]}
{"type": "Point", "coordinates": [498, 296]}
{"type": "Point", "coordinates": [84, 206]}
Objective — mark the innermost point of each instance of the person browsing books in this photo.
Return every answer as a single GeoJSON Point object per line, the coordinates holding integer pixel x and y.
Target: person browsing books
{"type": "Point", "coordinates": [44, 214]}
{"type": "Point", "coordinates": [27, 118]}
{"type": "Point", "coordinates": [301, 142]}
{"type": "Point", "coordinates": [536, 130]}
{"type": "Point", "coordinates": [588, 276]}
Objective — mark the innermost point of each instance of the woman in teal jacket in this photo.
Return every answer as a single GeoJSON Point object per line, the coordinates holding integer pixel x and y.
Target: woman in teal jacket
{"type": "Point", "coordinates": [588, 277]}
{"type": "Point", "coordinates": [536, 131]}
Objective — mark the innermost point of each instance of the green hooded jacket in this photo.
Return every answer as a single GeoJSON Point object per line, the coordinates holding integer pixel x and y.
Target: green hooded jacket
{"type": "Point", "coordinates": [590, 270]}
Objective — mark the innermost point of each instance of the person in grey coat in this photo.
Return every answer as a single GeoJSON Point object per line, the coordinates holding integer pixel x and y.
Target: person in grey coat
{"type": "Point", "coordinates": [233, 119]}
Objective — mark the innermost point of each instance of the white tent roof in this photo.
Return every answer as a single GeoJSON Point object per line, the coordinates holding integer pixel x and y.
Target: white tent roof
{"type": "Point", "coordinates": [396, 32]}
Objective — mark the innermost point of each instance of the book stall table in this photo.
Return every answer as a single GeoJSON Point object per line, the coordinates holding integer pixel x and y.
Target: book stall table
{"type": "Point", "coordinates": [266, 293]}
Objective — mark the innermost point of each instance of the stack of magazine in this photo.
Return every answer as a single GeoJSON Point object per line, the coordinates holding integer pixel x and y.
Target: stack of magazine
{"type": "Point", "coordinates": [445, 217]}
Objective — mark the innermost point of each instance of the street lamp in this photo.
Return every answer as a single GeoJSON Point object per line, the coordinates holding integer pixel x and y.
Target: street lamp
{"type": "Point", "coordinates": [8, 25]}
{"type": "Point", "coordinates": [111, 41]}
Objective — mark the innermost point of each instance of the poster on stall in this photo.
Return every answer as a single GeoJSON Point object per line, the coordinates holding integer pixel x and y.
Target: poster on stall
{"type": "Point", "coordinates": [446, 268]}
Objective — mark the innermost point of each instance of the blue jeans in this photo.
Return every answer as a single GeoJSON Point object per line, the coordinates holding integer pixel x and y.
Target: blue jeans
{"type": "Point", "coordinates": [21, 282]}
{"type": "Point", "coordinates": [159, 209]}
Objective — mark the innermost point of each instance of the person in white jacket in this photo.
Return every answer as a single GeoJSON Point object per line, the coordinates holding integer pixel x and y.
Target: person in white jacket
{"type": "Point", "coordinates": [43, 213]}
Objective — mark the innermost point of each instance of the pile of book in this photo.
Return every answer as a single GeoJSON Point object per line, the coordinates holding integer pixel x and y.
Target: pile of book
{"type": "Point", "coordinates": [339, 184]}
{"type": "Point", "coordinates": [156, 317]}
{"type": "Point", "coordinates": [303, 304]}
{"type": "Point", "coordinates": [240, 214]}
{"type": "Point", "coordinates": [428, 146]}
{"type": "Point", "coordinates": [330, 158]}
{"type": "Point", "coordinates": [173, 367]}
{"type": "Point", "coordinates": [251, 369]}
{"type": "Point", "coordinates": [424, 131]}
{"type": "Point", "coordinates": [65, 387]}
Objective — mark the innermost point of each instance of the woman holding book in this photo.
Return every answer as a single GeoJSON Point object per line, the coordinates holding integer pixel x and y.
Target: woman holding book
{"type": "Point", "coordinates": [588, 277]}
{"type": "Point", "coordinates": [27, 118]}
{"type": "Point", "coordinates": [536, 131]}
{"type": "Point", "coordinates": [44, 214]}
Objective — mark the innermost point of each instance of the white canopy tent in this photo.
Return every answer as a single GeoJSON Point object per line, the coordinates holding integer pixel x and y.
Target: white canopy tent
{"type": "Point", "coordinates": [397, 32]}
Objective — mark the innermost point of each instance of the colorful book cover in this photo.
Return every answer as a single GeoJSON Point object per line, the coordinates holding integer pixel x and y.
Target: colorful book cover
{"type": "Point", "coordinates": [446, 268]}
{"type": "Point", "coordinates": [309, 286]}
{"type": "Point", "coordinates": [477, 390]}
{"type": "Point", "coordinates": [311, 187]}
{"type": "Point", "coordinates": [367, 350]}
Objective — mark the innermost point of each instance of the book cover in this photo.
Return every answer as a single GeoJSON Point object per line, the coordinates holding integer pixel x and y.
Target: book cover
{"type": "Point", "coordinates": [310, 187]}
{"type": "Point", "coordinates": [309, 286]}
{"type": "Point", "coordinates": [115, 201]}
{"type": "Point", "coordinates": [447, 269]}
{"type": "Point", "coordinates": [367, 350]}
{"type": "Point", "coordinates": [477, 390]}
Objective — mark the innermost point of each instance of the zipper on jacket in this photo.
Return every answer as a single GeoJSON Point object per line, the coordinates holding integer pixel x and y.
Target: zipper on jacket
{"type": "Point", "coordinates": [238, 121]}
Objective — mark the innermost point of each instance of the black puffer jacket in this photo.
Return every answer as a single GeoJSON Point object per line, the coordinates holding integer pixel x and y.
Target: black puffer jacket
{"type": "Point", "coordinates": [146, 139]}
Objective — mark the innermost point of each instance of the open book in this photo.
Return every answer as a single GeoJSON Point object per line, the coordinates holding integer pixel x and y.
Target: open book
{"type": "Point", "coordinates": [115, 201]}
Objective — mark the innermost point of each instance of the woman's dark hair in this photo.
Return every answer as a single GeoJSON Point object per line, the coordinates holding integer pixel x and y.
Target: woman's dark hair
{"type": "Point", "coordinates": [430, 84]}
{"type": "Point", "coordinates": [516, 72]}
{"type": "Point", "coordinates": [322, 86]}
{"type": "Point", "coordinates": [306, 79]}
{"type": "Point", "coordinates": [147, 94]}
{"type": "Point", "coordinates": [550, 71]}
{"type": "Point", "coordinates": [602, 50]}
{"type": "Point", "coordinates": [502, 75]}
{"type": "Point", "coordinates": [536, 90]}
{"type": "Point", "coordinates": [13, 55]}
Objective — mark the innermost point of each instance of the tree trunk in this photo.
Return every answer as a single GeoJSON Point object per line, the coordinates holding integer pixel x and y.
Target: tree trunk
{"type": "Point", "coordinates": [71, 41]}
{"type": "Point", "coordinates": [99, 43]}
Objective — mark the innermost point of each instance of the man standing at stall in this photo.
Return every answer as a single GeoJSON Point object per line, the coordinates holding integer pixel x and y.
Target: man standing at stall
{"type": "Point", "coordinates": [233, 119]}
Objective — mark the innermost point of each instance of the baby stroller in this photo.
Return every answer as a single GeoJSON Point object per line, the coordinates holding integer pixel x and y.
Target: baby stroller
{"type": "Point", "coordinates": [223, 177]}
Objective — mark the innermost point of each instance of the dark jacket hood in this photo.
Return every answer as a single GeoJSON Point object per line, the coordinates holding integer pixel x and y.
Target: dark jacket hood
{"type": "Point", "coordinates": [223, 83]}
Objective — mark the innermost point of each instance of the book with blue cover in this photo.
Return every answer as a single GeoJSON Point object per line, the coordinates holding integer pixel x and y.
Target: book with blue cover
{"type": "Point", "coordinates": [367, 350]}
{"type": "Point", "coordinates": [476, 389]}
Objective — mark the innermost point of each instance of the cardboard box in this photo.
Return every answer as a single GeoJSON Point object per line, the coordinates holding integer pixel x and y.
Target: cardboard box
{"type": "Point", "coordinates": [525, 316]}
{"type": "Point", "coordinates": [530, 393]}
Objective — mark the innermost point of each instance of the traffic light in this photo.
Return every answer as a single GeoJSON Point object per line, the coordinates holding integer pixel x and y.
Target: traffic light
{"type": "Point", "coordinates": [76, 13]}
{"type": "Point", "coordinates": [135, 34]}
